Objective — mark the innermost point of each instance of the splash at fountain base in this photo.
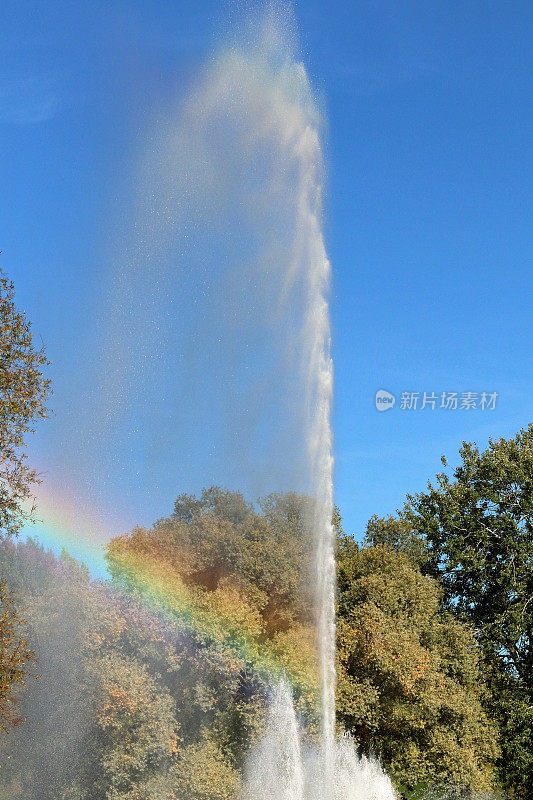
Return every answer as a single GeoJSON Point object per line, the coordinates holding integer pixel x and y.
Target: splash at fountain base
{"type": "Point", "coordinates": [282, 767]}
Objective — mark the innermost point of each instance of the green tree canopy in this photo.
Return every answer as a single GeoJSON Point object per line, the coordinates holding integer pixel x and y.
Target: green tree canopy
{"type": "Point", "coordinates": [409, 683]}
{"type": "Point", "coordinates": [397, 534]}
{"type": "Point", "coordinates": [23, 394]}
{"type": "Point", "coordinates": [478, 527]}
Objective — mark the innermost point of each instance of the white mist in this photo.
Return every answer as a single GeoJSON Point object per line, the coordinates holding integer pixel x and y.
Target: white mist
{"type": "Point", "coordinates": [229, 251]}
{"type": "Point", "coordinates": [283, 767]}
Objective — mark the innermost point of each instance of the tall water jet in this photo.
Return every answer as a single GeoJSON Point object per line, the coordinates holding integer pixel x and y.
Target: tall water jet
{"type": "Point", "coordinates": [311, 254]}
{"type": "Point", "coordinates": [235, 182]}
{"type": "Point", "coordinates": [332, 771]}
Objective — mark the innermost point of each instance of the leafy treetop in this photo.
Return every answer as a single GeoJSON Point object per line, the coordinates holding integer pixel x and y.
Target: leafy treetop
{"type": "Point", "coordinates": [23, 394]}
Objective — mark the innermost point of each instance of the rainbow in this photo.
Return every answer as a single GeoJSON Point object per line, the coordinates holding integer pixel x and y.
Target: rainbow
{"type": "Point", "coordinates": [63, 523]}
{"type": "Point", "coordinates": [219, 618]}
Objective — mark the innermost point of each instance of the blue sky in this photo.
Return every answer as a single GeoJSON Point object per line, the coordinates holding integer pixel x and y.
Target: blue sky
{"type": "Point", "coordinates": [429, 151]}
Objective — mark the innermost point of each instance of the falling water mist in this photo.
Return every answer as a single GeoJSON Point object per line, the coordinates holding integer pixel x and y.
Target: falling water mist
{"type": "Point", "coordinates": [283, 767]}
{"type": "Point", "coordinates": [234, 180]}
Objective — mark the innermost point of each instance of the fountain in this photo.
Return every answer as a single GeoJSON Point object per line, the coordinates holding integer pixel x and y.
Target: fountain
{"type": "Point", "coordinates": [282, 767]}
{"type": "Point", "coordinates": [239, 172]}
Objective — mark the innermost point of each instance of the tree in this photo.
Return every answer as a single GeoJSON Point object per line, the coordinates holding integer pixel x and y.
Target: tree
{"type": "Point", "coordinates": [138, 733]}
{"type": "Point", "coordinates": [145, 690]}
{"type": "Point", "coordinates": [203, 773]}
{"type": "Point", "coordinates": [23, 394]}
{"type": "Point", "coordinates": [42, 755]}
{"type": "Point", "coordinates": [397, 534]}
{"type": "Point", "coordinates": [15, 657]}
{"type": "Point", "coordinates": [409, 683]}
{"type": "Point", "coordinates": [478, 526]}
{"type": "Point", "coordinates": [233, 571]}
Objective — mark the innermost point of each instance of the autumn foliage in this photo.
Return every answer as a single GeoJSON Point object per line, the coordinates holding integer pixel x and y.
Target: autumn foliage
{"type": "Point", "coordinates": [23, 394]}
{"type": "Point", "coordinates": [15, 658]}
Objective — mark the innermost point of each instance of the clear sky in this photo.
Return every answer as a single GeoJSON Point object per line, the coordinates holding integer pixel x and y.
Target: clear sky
{"type": "Point", "coordinates": [429, 152]}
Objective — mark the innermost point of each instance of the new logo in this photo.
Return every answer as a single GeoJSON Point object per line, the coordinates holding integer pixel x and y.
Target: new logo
{"type": "Point", "coordinates": [384, 400]}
